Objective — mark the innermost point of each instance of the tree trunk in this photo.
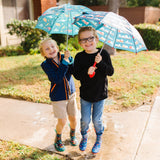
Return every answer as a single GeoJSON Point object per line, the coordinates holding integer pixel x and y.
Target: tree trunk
{"type": "Point", "coordinates": [113, 6]}
{"type": "Point", "coordinates": [60, 2]}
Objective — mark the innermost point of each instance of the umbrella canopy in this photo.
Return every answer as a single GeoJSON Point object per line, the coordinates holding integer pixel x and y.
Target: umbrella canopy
{"type": "Point", "coordinates": [59, 20]}
{"type": "Point", "coordinates": [114, 30]}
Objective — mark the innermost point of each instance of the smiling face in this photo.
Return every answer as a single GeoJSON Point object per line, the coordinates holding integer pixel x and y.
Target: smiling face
{"type": "Point", "coordinates": [50, 49]}
{"type": "Point", "coordinates": [88, 41]}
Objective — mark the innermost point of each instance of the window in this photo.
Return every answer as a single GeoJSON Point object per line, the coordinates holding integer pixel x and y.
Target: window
{"type": "Point", "coordinates": [15, 9]}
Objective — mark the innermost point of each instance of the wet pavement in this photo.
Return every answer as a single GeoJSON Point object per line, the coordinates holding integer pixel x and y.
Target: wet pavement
{"type": "Point", "coordinates": [132, 135]}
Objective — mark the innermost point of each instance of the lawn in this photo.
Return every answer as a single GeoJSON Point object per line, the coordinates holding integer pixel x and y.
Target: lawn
{"type": "Point", "coordinates": [134, 83]}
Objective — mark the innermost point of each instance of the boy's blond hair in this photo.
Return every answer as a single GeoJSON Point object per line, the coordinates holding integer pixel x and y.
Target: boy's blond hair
{"type": "Point", "coordinates": [44, 41]}
{"type": "Point", "coordinates": [87, 28]}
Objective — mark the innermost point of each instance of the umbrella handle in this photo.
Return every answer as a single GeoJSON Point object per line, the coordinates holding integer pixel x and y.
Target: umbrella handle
{"type": "Point", "coordinates": [92, 75]}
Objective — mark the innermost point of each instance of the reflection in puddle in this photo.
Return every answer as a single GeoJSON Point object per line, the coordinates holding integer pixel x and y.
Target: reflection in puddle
{"type": "Point", "coordinates": [118, 127]}
{"type": "Point", "coordinates": [110, 140]}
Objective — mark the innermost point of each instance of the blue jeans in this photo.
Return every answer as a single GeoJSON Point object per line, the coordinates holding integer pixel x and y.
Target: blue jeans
{"type": "Point", "coordinates": [96, 116]}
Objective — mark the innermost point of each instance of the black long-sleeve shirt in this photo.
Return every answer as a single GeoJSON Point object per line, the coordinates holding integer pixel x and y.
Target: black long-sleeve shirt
{"type": "Point", "coordinates": [96, 88]}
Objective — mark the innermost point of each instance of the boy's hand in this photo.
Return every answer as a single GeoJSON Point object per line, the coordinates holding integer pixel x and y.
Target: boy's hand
{"type": "Point", "coordinates": [98, 58]}
{"type": "Point", "coordinates": [66, 55]}
{"type": "Point", "coordinates": [91, 70]}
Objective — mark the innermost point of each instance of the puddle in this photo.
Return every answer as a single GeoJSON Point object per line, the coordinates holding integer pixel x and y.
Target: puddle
{"type": "Point", "coordinates": [37, 136]}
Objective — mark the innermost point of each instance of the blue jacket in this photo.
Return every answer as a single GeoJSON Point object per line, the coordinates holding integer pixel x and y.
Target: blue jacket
{"type": "Point", "coordinates": [59, 75]}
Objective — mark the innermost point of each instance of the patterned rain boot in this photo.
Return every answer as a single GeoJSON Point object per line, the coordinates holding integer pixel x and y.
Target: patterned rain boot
{"type": "Point", "coordinates": [83, 143]}
{"type": "Point", "coordinates": [74, 141]}
{"type": "Point", "coordinates": [97, 145]}
{"type": "Point", "coordinates": [58, 144]}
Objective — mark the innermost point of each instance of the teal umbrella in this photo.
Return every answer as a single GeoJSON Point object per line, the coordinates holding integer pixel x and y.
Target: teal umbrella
{"type": "Point", "coordinates": [59, 20]}
{"type": "Point", "coordinates": [114, 30]}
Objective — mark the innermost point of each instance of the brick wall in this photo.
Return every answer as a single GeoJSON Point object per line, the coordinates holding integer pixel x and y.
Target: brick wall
{"type": "Point", "coordinates": [99, 8]}
{"type": "Point", "coordinates": [135, 15]}
{"type": "Point", "coordinates": [46, 4]}
{"type": "Point", "coordinates": [42, 5]}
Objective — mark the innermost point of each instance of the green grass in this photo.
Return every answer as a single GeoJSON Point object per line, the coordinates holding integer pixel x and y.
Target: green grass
{"type": "Point", "coordinates": [136, 78]}
{"type": "Point", "coordinates": [14, 151]}
{"type": "Point", "coordinates": [134, 82]}
{"type": "Point", "coordinates": [22, 77]}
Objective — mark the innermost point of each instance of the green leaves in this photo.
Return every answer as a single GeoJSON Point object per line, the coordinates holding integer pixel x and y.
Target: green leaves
{"type": "Point", "coordinates": [26, 30]}
{"type": "Point", "coordinates": [137, 3]}
{"type": "Point", "coordinates": [150, 34]}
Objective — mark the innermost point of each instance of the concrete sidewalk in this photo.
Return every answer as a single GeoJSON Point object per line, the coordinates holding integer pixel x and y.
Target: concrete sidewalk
{"type": "Point", "coordinates": [132, 135]}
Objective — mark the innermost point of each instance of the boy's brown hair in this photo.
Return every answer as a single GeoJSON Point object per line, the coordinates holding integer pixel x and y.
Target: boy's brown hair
{"type": "Point", "coordinates": [44, 41]}
{"type": "Point", "coordinates": [87, 28]}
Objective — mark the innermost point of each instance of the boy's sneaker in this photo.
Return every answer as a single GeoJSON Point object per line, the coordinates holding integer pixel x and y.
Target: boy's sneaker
{"type": "Point", "coordinates": [74, 141]}
{"type": "Point", "coordinates": [96, 147]}
{"type": "Point", "coordinates": [59, 146]}
{"type": "Point", "coordinates": [83, 144]}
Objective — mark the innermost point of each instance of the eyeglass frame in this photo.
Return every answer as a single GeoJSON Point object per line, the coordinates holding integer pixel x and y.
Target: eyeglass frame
{"type": "Point", "coordinates": [89, 39]}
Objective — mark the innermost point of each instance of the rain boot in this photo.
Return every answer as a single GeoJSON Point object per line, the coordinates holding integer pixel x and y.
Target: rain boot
{"type": "Point", "coordinates": [97, 145]}
{"type": "Point", "coordinates": [83, 143]}
{"type": "Point", "coordinates": [73, 141]}
{"type": "Point", "coordinates": [58, 144]}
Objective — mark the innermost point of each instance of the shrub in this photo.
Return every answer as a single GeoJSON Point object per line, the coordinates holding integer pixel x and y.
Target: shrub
{"type": "Point", "coordinates": [150, 34]}
{"type": "Point", "coordinates": [62, 47]}
{"type": "Point", "coordinates": [26, 30]}
{"type": "Point", "coordinates": [34, 51]}
{"type": "Point", "coordinates": [74, 42]}
{"type": "Point", "coordinates": [11, 51]}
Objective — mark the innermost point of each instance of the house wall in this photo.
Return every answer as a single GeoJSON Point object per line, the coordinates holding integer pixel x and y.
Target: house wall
{"type": "Point", "coordinates": [152, 15]}
{"type": "Point", "coordinates": [37, 8]}
{"type": "Point", "coordinates": [22, 9]}
{"type": "Point", "coordinates": [11, 9]}
{"type": "Point", "coordinates": [2, 31]}
{"type": "Point", "coordinates": [15, 9]}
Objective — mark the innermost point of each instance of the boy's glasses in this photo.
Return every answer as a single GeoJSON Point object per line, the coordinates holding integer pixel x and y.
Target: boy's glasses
{"type": "Point", "coordinates": [89, 39]}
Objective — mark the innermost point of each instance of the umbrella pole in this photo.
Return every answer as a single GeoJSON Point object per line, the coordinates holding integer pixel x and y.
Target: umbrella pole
{"type": "Point", "coordinates": [67, 41]}
{"type": "Point", "coordinates": [67, 26]}
{"type": "Point", "coordinates": [102, 47]}
{"type": "Point", "coordinates": [105, 41]}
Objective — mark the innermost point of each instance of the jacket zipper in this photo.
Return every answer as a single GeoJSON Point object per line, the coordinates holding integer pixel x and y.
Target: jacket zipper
{"type": "Point", "coordinates": [53, 88]}
{"type": "Point", "coordinates": [65, 86]}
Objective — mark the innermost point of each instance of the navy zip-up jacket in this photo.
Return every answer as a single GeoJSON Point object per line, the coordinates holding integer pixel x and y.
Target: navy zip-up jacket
{"type": "Point", "coordinates": [59, 75]}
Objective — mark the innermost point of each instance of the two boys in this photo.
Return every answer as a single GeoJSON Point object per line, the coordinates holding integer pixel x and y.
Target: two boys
{"type": "Point", "coordinates": [93, 91]}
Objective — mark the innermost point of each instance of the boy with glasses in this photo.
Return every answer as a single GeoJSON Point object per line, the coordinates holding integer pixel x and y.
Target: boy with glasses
{"type": "Point", "coordinates": [93, 91]}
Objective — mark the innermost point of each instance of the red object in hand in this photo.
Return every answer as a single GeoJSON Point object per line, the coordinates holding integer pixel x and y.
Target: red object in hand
{"type": "Point", "coordinates": [92, 75]}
